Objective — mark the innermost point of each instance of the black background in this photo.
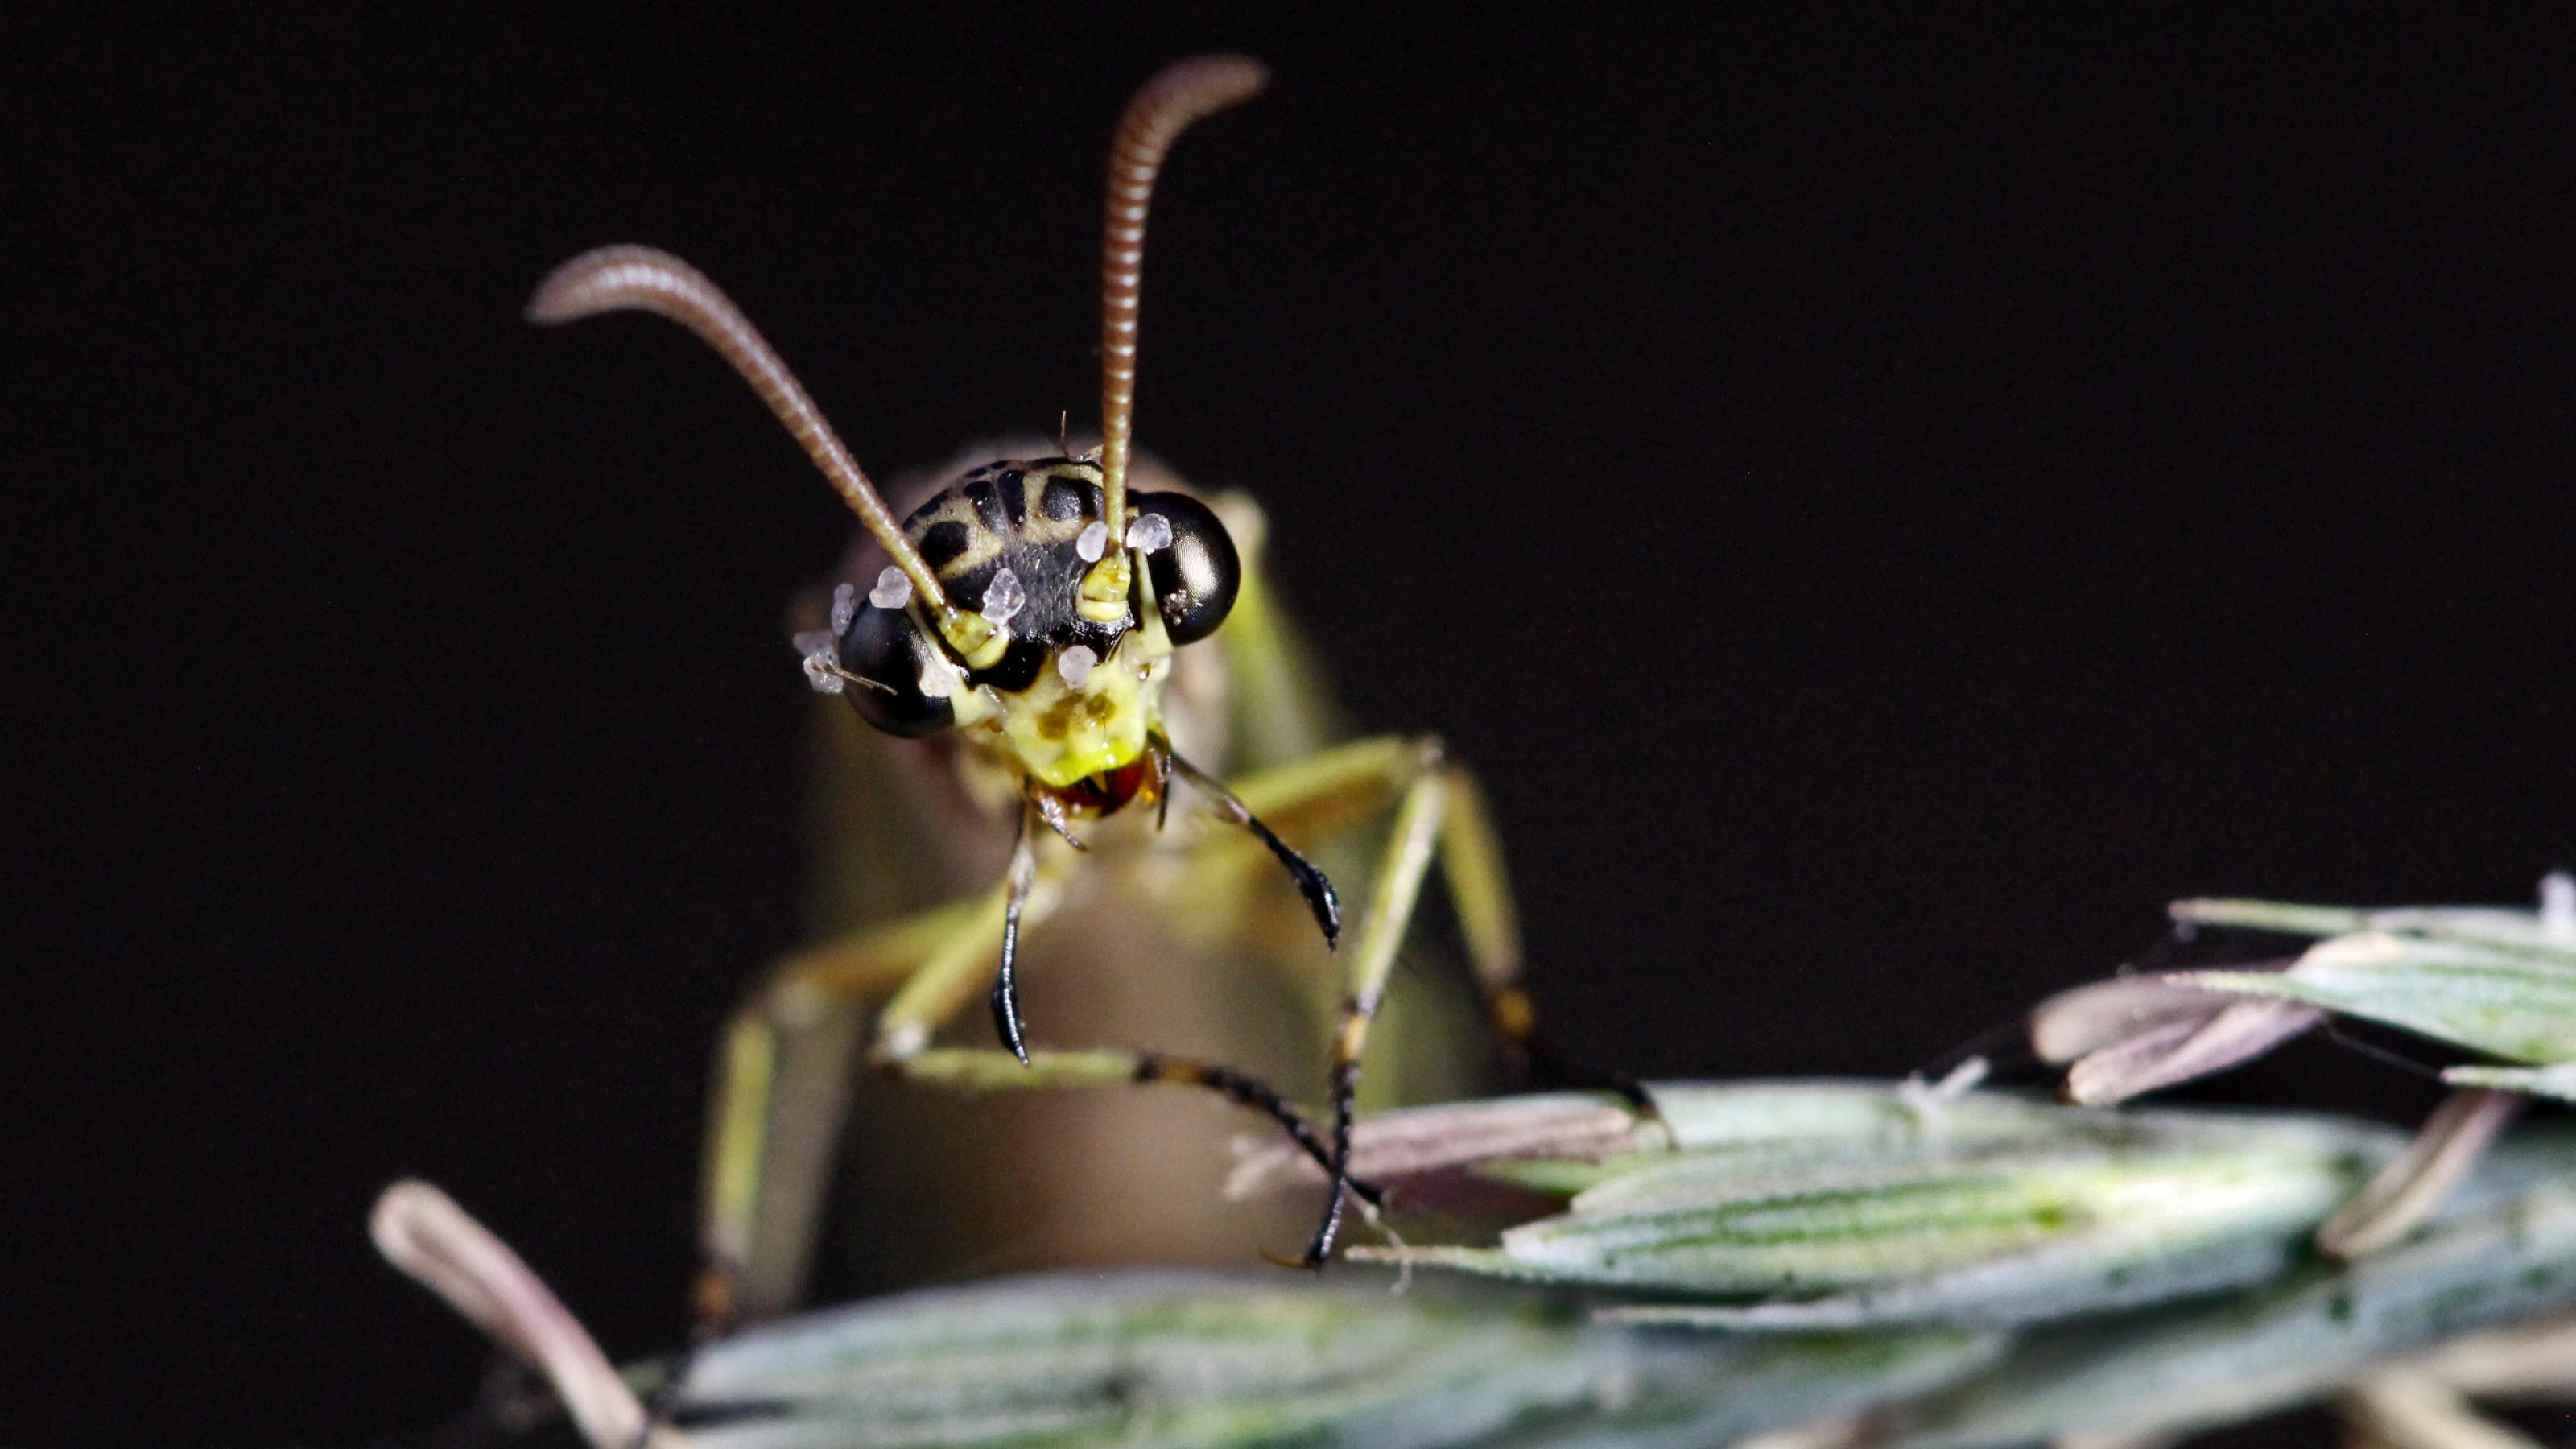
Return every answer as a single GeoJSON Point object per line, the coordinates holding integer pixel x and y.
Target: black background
{"type": "Point", "coordinates": [1886, 507]}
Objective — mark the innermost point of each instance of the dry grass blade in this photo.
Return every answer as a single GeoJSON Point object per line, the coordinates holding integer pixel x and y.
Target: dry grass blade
{"type": "Point", "coordinates": [2497, 981]}
{"type": "Point", "coordinates": [2185, 1048]}
{"type": "Point", "coordinates": [2452, 1140]}
{"type": "Point", "coordinates": [422, 1231]}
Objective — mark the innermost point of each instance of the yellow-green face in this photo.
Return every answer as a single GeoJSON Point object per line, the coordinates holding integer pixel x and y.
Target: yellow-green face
{"type": "Point", "coordinates": [1060, 733]}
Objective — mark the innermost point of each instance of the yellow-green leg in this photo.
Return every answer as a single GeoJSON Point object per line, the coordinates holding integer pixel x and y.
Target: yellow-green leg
{"type": "Point", "coordinates": [1440, 814]}
{"type": "Point", "coordinates": [1398, 889]}
{"type": "Point", "coordinates": [1471, 857]}
{"type": "Point", "coordinates": [942, 988]}
{"type": "Point", "coordinates": [783, 1077]}
{"type": "Point", "coordinates": [1358, 780]}
{"type": "Point", "coordinates": [782, 1087]}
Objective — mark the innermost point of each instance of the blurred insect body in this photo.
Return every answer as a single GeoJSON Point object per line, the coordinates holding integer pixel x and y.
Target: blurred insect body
{"type": "Point", "coordinates": [1028, 618]}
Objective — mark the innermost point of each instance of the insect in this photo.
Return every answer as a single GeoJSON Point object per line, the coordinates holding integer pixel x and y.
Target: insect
{"type": "Point", "coordinates": [1034, 622]}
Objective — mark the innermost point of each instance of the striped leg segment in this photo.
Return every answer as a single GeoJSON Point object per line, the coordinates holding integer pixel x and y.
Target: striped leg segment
{"type": "Point", "coordinates": [1440, 814]}
{"type": "Point", "coordinates": [1399, 889]}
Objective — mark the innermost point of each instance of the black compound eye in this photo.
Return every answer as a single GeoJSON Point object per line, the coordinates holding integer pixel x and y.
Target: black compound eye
{"type": "Point", "coordinates": [885, 649]}
{"type": "Point", "coordinates": [1196, 578]}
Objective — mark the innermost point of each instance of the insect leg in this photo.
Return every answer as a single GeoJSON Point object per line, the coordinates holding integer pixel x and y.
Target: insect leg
{"type": "Point", "coordinates": [981, 1069]}
{"type": "Point", "coordinates": [1334, 786]}
{"type": "Point", "coordinates": [1006, 985]}
{"type": "Point", "coordinates": [1440, 797]}
{"type": "Point", "coordinates": [1355, 779]}
{"type": "Point", "coordinates": [1399, 888]}
{"type": "Point", "coordinates": [1311, 882]}
{"type": "Point", "coordinates": [940, 988]}
{"type": "Point", "coordinates": [1471, 861]}
{"type": "Point", "coordinates": [782, 1084]}
{"type": "Point", "coordinates": [784, 1073]}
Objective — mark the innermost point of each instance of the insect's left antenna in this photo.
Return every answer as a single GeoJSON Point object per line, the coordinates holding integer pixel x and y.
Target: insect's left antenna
{"type": "Point", "coordinates": [1181, 95]}
{"type": "Point", "coordinates": [640, 279]}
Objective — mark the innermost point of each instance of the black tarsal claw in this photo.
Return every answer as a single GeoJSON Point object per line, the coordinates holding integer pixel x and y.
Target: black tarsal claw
{"type": "Point", "coordinates": [1006, 1015]}
{"type": "Point", "coordinates": [1312, 883]}
{"type": "Point", "coordinates": [1325, 903]}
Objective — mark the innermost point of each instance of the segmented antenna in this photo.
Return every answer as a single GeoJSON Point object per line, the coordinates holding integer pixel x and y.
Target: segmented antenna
{"type": "Point", "coordinates": [640, 279]}
{"type": "Point", "coordinates": [1183, 94]}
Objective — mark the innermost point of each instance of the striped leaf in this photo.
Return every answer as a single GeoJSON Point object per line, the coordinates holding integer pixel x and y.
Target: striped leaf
{"type": "Point", "coordinates": [1986, 1210]}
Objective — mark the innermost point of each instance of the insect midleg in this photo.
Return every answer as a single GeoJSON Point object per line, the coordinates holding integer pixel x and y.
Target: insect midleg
{"type": "Point", "coordinates": [1441, 814]}
{"type": "Point", "coordinates": [1398, 889]}
{"type": "Point", "coordinates": [782, 1089]}
{"type": "Point", "coordinates": [988, 1069]}
{"type": "Point", "coordinates": [1471, 859]}
{"type": "Point", "coordinates": [901, 1047]}
{"type": "Point", "coordinates": [1358, 779]}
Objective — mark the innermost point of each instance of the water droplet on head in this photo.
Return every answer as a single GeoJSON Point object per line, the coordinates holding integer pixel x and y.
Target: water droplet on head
{"type": "Point", "coordinates": [822, 668]}
{"type": "Point", "coordinates": [1092, 542]}
{"type": "Point", "coordinates": [1150, 533]}
{"type": "Point", "coordinates": [845, 607]}
{"type": "Point", "coordinates": [938, 680]}
{"type": "Point", "coordinates": [1076, 664]}
{"type": "Point", "coordinates": [893, 589]}
{"type": "Point", "coordinates": [1003, 598]}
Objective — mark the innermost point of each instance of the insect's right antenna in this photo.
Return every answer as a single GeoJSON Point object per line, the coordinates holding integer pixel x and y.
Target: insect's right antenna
{"type": "Point", "coordinates": [1180, 96]}
{"type": "Point", "coordinates": [640, 279]}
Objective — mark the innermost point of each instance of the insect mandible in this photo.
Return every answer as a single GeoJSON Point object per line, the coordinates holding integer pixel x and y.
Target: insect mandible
{"type": "Point", "coordinates": [1029, 617]}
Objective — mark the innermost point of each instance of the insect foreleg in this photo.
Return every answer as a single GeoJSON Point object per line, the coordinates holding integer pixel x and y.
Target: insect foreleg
{"type": "Point", "coordinates": [946, 979]}
{"type": "Point", "coordinates": [1352, 782]}
{"type": "Point", "coordinates": [1311, 882]}
{"type": "Point", "coordinates": [783, 1079]}
{"type": "Point", "coordinates": [1006, 984]}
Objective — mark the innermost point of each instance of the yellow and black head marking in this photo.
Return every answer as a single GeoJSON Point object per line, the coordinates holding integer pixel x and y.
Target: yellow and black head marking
{"type": "Point", "coordinates": [1074, 699]}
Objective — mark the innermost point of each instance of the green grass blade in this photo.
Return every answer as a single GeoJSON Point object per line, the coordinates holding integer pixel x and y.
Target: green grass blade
{"type": "Point", "coordinates": [1150, 1358]}
{"type": "Point", "coordinates": [2512, 1006]}
{"type": "Point", "coordinates": [2192, 1368]}
{"type": "Point", "coordinates": [1983, 1211]}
